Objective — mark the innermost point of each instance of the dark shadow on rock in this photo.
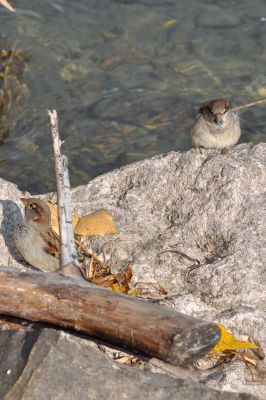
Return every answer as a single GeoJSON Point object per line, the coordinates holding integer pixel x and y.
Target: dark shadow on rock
{"type": "Point", "coordinates": [21, 342]}
{"type": "Point", "coordinates": [12, 216]}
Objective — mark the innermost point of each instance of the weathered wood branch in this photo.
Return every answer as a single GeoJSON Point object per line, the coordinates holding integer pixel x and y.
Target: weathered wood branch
{"type": "Point", "coordinates": [140, 326]}
{"type": "Point", "coordinates": [6, 4]}
{"type": "Point", "coordinates": [68, 248]}
{"type": "Point", "coordinates": [247, 105]}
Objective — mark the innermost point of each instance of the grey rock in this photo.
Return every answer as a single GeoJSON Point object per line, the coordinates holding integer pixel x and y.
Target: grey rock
{"type": "Point", "coordinates": [218, 18]}
{"type": "Point", "coordinates": [15, 348]}
{"type": "Point", "coordinates": [209, 206]}
{"type": "Point", "coordinates": [63, 366]}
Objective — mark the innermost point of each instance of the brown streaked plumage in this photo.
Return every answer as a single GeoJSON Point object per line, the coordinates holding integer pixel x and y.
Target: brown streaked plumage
{"type": "Point", "coordinates": [34, 238]}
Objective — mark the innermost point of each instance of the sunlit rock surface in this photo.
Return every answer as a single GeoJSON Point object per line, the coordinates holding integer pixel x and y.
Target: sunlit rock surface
{"type": "Point", "coordinates": [209, 206]}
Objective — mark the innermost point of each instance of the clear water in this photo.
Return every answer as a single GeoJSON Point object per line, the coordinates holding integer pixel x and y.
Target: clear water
{"type": "Point", "coordinates": [125, 85]}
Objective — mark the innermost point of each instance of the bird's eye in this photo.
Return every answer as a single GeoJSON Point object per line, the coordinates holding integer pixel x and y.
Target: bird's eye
{"type": "Point", "coordinates": [32, 205]}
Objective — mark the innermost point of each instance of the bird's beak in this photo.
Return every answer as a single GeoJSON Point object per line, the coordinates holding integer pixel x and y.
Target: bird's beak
{"type": "Point", "coordinates": [24, 201]}
{"type": "Point", "coordinates": [218, 119]}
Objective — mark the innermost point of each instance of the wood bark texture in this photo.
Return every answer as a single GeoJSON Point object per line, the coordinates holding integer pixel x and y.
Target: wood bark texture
{"type": "Point", "coordinates": [141, 326]}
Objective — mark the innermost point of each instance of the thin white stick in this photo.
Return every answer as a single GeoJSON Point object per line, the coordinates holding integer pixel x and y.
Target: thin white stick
{"type": "Point", "coordinates": [251, 104]}
{"type": "Point", "coordinates": [68, 214]}
{"type": "Point", "coordinates": [68, 249]}
{"type": "Point", "coordinates": [189, 372]}
{"type": "Point", "coordinates": [6, 4]}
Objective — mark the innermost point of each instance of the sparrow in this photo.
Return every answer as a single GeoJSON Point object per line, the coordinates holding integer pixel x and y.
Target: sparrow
{"type": "Point", "coordinates": [34, 238]}
{"type": "Point", "coordinates": [216, 126]}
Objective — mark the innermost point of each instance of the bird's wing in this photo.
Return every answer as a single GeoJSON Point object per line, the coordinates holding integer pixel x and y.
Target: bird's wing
{"type": "Point", "coordinates": [52, 243]}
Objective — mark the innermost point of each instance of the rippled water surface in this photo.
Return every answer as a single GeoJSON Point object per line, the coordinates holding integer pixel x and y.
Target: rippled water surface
{"type": "Point", "coordinates": [126, 78]}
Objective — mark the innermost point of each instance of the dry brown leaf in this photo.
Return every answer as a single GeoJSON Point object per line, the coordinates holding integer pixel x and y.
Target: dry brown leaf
{"type": "Point", "coordinates": [129, 360]}
{"type": "Point", "coordinates": [117, 282]}
{"type": "Point", "coordinates": [99, 223]}
{"type": "Point", "coordinates": [6, 4]}
{"type": "Point", "coordinates": [125, 275]}
{"type": "Point", "coordinates": [250, 360]}
{"type": "Point", "coordinates": [230, 357]}
{"type": "Point", "coordinates": [123, 278]}
{"type": "Point", "coordinates": [262, 91]}
{"type": "Point", "coordinates": [150, 127]}
{"type": "Point", "coordinates": [105, 281]}
{"type": "Point", "coordinates": [54, 218]}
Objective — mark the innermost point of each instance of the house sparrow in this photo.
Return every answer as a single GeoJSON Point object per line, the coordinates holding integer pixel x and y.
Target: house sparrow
{"type": "Point", "coordinates": [216, 126]}
{"type": "Point", "coordinates": [35, 239]}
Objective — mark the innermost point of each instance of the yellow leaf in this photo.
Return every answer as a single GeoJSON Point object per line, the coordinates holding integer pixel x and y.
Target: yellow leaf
{"type": "Point", "coordinates": [228, 342]}
{"type": "Point", "coordinates": [54, 218]}
{"type": "Point", "coordinates": [4, 53]}
{"type": "Point", "coordinates": [169, 23]}
{"type": "Point", "coordinates": [134, 292]}
{"type": "Point", "coordinates": [6, 4]}
{"type": "Point", "coordinates": [99, 223]}
{"type": "Point", "coordinates": [262, 91]}
{"type": "Point", "coordinates": [119, 288]}
{"type": "Point", "coordinates": [150, 127]}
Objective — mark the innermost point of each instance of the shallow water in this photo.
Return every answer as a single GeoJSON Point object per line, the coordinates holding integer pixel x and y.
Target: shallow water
{"type": "Point", "coordinates": [125, 83]}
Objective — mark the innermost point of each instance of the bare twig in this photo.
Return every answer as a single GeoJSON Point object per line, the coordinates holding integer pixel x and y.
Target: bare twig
{"type": "Point", "coordinates": [68, 249]}
{"type": "Point", "coordinates": [251, 104]}
{"type": "Point", "coordinates": [189, 373]}
{"type": "Point", "coordinates": [87, 253]}
{"type": "Point", "coordinates": [7, 5]}
{"type": "Point", "coordinates": [181, 254]}
{"type": "Point", "coordinates": [91, 269]}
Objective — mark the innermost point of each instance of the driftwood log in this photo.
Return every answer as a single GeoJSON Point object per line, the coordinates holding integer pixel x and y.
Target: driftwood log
{"type": "Point", "coordinates": [142, 327]}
